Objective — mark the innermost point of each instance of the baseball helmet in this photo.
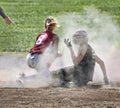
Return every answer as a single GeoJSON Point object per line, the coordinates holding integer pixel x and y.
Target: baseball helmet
{"type": "Point", "coordinates": [50, 20]}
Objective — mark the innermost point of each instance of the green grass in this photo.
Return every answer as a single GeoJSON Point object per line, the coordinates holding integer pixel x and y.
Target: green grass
{"type": "Point", "coordinates": [28, 16]}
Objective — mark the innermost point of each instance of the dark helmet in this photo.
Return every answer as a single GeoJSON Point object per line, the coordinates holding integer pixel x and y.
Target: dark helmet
{"type": "Point", "coordinates": [80, 36]}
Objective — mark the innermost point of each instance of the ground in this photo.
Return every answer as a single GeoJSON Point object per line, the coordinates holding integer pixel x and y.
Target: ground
{"type": "Point", "coordinates": [59, 98]}
{"type": "Point", "coordinates": [50, 97]}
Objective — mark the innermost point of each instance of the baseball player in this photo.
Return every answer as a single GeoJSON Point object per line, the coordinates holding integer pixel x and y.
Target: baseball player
{"type": "Point", "coordinates": [45, 40]}
{"type": "Point", "coordinates": [84, 62]}
{"type": "Point", "coordinates": [44, 51]}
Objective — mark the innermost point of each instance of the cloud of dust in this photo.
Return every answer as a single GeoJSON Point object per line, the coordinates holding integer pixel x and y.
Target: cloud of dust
{"type": "Point", "coordinates": [12, 65]}
{"type": "Point", "coordinates": [103, 32]}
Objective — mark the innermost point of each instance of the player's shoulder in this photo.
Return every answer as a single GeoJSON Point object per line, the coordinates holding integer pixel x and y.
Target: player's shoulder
{"type": "Point", "coordinates": [43, 33]}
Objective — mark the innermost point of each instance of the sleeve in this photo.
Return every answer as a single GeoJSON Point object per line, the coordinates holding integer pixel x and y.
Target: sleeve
{"type": "Point", "coordinates": [2, 13]}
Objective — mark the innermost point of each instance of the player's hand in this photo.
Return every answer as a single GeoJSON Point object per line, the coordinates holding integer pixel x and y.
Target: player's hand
{"type": "Point", "coordinates": [8, 20]}
{"type": "Point", "coordinates": [67, 42]}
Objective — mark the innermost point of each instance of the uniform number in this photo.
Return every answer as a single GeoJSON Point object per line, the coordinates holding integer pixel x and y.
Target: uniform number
{"type": "Point", "coordinates": [41, 38]}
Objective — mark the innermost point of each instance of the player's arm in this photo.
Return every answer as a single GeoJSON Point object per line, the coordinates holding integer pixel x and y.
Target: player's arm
{"type": "Point", "coordinates": [55, 45]}
{"type": "Point", "coordinates": [81, 52]}
{"type": "Point", "coordinates": [5, 17]}
{"type": "Point", "coordinates": [54, 52]}
{"type": "Point", "coordinates": [2, 13]}
{"type": "Point", "coordinates": [103, 68]}
{"type": "Point", "coordinates": [77, 58]}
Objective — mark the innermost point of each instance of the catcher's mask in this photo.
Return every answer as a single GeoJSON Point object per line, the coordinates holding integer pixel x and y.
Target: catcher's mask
{"type": "Point", "coordinates": [80, 36]}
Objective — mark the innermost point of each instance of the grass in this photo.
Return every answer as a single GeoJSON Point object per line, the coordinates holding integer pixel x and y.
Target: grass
{"type": "Point", "coordinates": [28, 16]}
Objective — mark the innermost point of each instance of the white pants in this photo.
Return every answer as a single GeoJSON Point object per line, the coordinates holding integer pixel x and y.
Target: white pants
{"type": "Point", "coordinates": [38, 62]}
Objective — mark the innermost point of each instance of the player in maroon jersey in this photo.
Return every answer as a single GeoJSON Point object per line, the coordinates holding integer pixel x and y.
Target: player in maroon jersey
{"type": "Point", "coordinates": [47, 40]}
{"type": "Point", "coordinates": [44, 51]}
{"type": "Point", "coordinates": [5, 17]}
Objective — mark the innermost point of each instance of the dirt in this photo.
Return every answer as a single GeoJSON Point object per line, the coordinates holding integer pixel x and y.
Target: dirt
{"type": "Point", "coordinates": [59, 98]}
{"type": "Point", "coordinates": [49, 97]}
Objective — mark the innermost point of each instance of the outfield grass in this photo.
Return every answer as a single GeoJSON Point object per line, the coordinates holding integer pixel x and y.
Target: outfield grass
{"type": "Point", "coordinates": [28, 16]}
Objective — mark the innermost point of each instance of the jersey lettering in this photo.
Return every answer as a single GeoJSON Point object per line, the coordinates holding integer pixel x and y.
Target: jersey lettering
{"type": "Point", "coordinates": [40, 39]}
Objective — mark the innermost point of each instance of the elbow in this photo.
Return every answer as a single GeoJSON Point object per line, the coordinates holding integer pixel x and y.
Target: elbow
{"type": "Point", "coordinates": [101, 62]}
{"type": "Point", "coordinates": [75, 62]}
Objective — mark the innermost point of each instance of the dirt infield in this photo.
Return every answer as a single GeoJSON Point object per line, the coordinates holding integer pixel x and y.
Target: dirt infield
{"type": "Point", "coordinates": [59, 98]}
{"type": "Point", "coordinates": [48, 97]}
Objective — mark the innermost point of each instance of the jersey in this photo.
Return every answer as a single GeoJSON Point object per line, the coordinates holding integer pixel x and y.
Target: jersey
{"type": "Point", "coordinates": [85, 69]}
{"type": "Point", "coordinates": [80, 74]}
{"type": "Point", "coordinates": [43, 40]}
{"type": "Point", "coordinates": [88, 57]}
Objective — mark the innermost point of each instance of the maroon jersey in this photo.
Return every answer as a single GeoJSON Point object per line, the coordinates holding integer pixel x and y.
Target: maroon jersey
{"type": "Point", "coordinates": [42, 42]}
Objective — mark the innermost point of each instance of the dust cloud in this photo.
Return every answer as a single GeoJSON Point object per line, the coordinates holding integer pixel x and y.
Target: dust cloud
{"type": "Point", "coordinates": [103, 33]}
